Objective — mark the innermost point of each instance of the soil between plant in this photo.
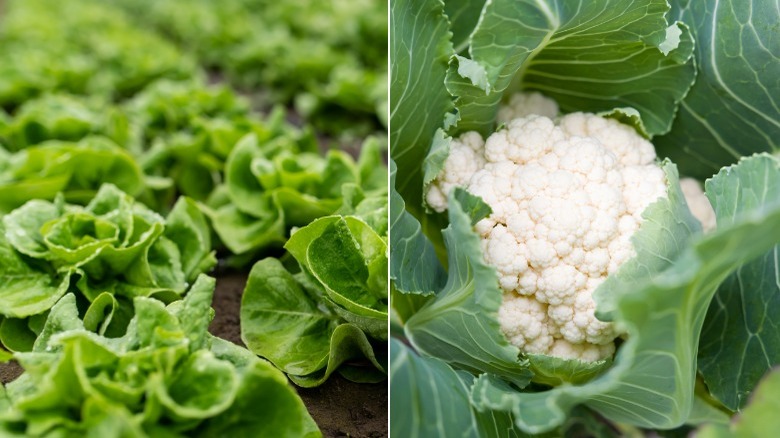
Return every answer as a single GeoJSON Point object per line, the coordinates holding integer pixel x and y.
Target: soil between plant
{"type": "Point", "coordinates": [341, 408]}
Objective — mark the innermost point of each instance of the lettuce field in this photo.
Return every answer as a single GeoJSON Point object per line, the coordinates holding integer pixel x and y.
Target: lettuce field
{"type": "Point", "coordinates": [194, 218]}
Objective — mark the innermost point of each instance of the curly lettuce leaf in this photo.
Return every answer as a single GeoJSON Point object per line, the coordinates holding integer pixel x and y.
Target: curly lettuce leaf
{"type": "Point", "coordinates": [349, 343]}
{"type": "Point", "coordinates": [740, 340]}
{"type": "Point", "coordinates": [27, 289]}
{"type": "Point", "coordinates": [88, 62]}
{"type": "Point", "coordinates": [733, 109]}
{"type": "Point", "coordinates": [52, 117]}
{"type": "Point", "coordinates": [282, 322]}
{"type": "Point", "coordinates": [347, 258]}
{"type": "Point", "coordinates": [75, 169]}
{"type": "Point", "coordinates": [165, 374]}
{"type": "Point", "coordinates": [329, 59]}
{"type": "Point", "coordinates": [651, 383]}
{"type": "Point", "coordinates": [113, 245]}
{"type": "Point", "coordinates": [186, 227]}
{"type": "Point", "coordinates": [277, 185]}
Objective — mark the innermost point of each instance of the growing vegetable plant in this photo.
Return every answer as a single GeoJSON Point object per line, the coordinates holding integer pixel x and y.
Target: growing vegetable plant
{"type": "Point", "coordinates": [327, 310]}
{"type": "Point", "coordinates": [571, 290]}
{"type": "Point", "coordinates": [329, 59]}
{"type": "Point", "coordinates": [166, 375]}
{"type": "Point", "coordinates": [108, 252]}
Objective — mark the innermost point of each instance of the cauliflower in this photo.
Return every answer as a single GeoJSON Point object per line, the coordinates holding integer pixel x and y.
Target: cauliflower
{"type": "Point", "coordinates": [464, 160]}
{"type": "Point", "coordinates": [699, 204]}
{"type": "Point", "coordinates": [525, 104]}
{"type": "Point", "coordinates": [566, 198]}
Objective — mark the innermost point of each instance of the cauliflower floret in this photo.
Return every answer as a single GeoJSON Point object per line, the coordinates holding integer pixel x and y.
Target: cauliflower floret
{"type": "Point", "coordinates": [466, 158]}
{"type": "Point", "coordinates": [565, 201]}
{"type": "Point", "coordinates": [524, 104]}
{"type": "Point", "coordinates": [584, 352]}
{"type": "Point", "coordinates": [629, 147]}
{"type": "Point", "coordinates": [524, 322]}
{"type": "Point", "coordinates": [698, 203]}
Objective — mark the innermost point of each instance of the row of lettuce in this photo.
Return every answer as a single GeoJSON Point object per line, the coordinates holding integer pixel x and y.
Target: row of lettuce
{"type": "Point", "coordinates": [123, 174]}
{"type": "Point", "coordinates": [328, 59]}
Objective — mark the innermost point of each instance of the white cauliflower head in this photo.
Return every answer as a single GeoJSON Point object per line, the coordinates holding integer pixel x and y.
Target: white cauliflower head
{"type": "Point", "coordinates": [566, 199]}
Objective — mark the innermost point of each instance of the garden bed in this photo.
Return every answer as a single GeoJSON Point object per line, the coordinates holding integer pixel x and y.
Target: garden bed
{"type": "Point", "coordinates": [340, 407]}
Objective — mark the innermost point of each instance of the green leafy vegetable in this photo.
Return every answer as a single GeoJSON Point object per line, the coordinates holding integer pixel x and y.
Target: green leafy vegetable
{"type": "Point", "coordinates": [419, 50]}
{"type": "Point", "coordinates": [328, 59]}
{"type": "Point", "coordinates": [334, 311]}
{"type": "Point", "coordinates": [457, 66]}
{"type": "Point", "coordinates": [759, 417]}
{"type": "Point", "coordinates": [165, 373]}
{"type": "Point", "coordinates": [37, 31]}
{"type": "Point", "coordinates": [549, 46]}
{"type": "Point", "coordinates": [442, 395]}
{"type": "Point", "coordinates": [726, 116]}
{"type": "Point", "coordinates": [113, 244]}
{"type": "Point", "coordinates": [460, 326]}
{"type": "Point", "coordinates": [282, 183]}
{"type": "Point", "coordinates": [75, 169]}
{"type": "Point", "coordinates": [740, 339]}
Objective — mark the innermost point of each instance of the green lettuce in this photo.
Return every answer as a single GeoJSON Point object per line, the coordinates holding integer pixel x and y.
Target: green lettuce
{"type": "Point", "coordinates": [114, 245]}
{"type": "Point", "coordinates": [334, 311]}
{"type": "Point", "coordinates": [329, 313]}
{"type": "Point", "coordinates": [281, 183]}
{"type": "Point", "coordinates": [62, 117]}
{"type": "Point", "coordinates": [113, 59]}
{"type": "Point", "coordinates": [182, 133]}
{"type": "Point", "coordinates": [166, 375]}
{"type": "Point", "coordinates": [327, 59]}
{"type": "Point", "coordinates": [77, 170]}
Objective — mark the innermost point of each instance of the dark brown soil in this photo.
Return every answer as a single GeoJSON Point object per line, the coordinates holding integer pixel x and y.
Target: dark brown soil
{"type": "Point", "coordinates": [9, 371]}
{"type": "Point", "coordinates": [341, 408]}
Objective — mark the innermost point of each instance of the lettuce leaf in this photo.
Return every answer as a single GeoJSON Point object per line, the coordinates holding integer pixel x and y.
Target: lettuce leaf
{"type": "Point", "coordinates": [334, 311]}
{"type": "Point", "coordinates": [165, 373]}
{"type": "Point", "coordinates": [75, 169]}
{"type": "Point", "coordinates": [112, 245]}
{"type": "Point", "coordinates": [276, 185]}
